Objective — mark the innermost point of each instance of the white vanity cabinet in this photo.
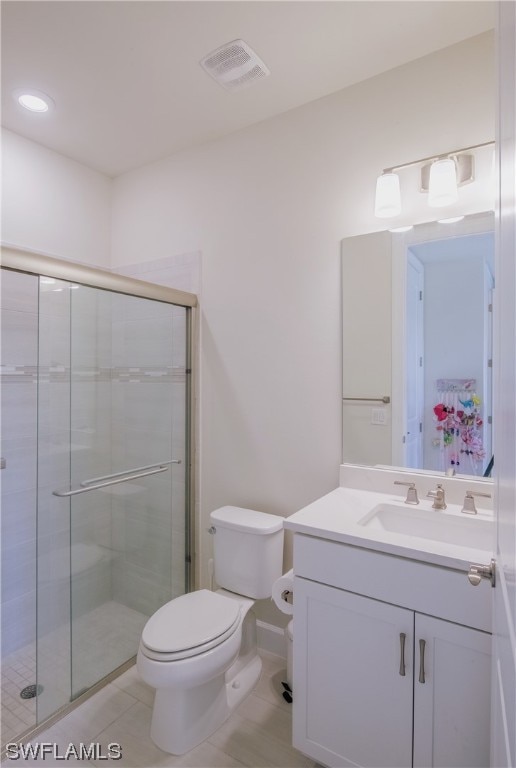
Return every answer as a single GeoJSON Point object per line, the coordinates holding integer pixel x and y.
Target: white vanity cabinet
{"type": "Point", "coordinates": [452, 707]}
{"type": "Point", "coordinates": [363, 693]}
{"type": "Point", "coordinates": [351, 706]}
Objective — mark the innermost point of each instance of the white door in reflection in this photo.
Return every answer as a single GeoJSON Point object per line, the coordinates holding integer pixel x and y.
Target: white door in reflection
{"type": "Point", "coordinates": [447, 354]}
{"type": "Point", "coordinates": [414, 397]}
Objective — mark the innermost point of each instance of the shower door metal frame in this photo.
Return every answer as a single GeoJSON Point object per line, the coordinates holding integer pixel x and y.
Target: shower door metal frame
{"type": "Point", "coordinates": [29, 262]}
{"type": "Point", "coordinates": [38, 264]}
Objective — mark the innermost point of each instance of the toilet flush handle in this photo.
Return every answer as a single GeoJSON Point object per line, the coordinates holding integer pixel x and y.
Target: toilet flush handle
{"type": "Point", "coordinates": [212, 530]}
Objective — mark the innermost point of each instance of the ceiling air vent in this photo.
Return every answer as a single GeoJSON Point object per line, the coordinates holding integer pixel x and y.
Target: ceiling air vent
{"type": "Point", "coordinates": [234, 65]}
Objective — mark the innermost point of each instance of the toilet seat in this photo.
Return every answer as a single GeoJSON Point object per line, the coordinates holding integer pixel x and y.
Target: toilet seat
{"type": "Point", "coordinates": [190, 625]}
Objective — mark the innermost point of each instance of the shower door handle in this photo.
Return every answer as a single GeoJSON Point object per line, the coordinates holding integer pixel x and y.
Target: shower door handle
{"type": "Point", "coordinates": [129, 472]}
{"type": "Point", "coordinates": [95, 486]}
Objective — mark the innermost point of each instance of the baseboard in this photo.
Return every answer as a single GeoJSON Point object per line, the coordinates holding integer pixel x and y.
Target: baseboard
{"type": "Point", "coordinates": [271, 639]}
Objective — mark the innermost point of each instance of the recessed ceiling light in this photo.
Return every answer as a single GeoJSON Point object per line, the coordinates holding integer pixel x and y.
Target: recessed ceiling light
{"type": "Point", "coordinates": [33, 100]}
{"type": "Point", "coordinates": [451, 220]}
{"type": "Point", "coordinates": [402, 229]}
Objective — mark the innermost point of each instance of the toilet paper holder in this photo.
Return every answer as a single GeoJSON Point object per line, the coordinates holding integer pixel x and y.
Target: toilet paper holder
{"type": "Point", "coordinates": [283, 593]}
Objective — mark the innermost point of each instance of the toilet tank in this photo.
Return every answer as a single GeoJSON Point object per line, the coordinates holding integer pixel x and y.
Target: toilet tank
{"type": "Point", "coordinates": [248, 550]}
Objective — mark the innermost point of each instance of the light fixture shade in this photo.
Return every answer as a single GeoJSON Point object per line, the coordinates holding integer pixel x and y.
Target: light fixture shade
{"type": "Point", "coordinates": [388, 197]}
{"type": "Point", "coordinates": [442, 187]}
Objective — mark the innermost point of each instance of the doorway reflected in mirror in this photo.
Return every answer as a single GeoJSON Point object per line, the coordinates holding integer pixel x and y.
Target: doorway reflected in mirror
{"type": "Point", "coordinates": [417, 328]}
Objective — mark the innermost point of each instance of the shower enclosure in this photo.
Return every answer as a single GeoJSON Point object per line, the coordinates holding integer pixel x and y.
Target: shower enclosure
{"type": "Point", "coordinates": [96, 482]}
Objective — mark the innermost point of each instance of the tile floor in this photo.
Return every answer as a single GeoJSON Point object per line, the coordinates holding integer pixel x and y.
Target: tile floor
{"type": "Point", "coordinates": [18, 670]}
{"type": "Point", "coordinates": [113, 627]}
{"type": "Point", "coordinates": [258, 734]}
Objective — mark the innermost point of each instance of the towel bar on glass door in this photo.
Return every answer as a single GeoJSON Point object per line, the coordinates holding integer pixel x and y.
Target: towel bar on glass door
{"type": "Point", "coordinates": [385, 399]}
{"type": "Point", "coordinates": [129, 471]}
{"type": "Point", "coordinates": [85, 486]}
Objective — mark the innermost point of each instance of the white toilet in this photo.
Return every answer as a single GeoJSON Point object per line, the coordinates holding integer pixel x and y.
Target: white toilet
{"type": "Point", "coordinates": [199, 650]}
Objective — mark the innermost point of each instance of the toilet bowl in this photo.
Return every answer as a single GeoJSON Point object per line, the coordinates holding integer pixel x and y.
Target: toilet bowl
{"type": "Point", "coordinates": [199, 651]}
{"type": "Point", "coordinates": [201, 675]}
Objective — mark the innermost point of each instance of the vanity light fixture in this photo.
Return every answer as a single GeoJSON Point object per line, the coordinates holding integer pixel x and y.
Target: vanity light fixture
{"type": "Point", "coordinates": [388, 196]}
{"type": "Point", "coordinates": [441, 175]}
{"type": "Point", "coordinates": [442, 184]}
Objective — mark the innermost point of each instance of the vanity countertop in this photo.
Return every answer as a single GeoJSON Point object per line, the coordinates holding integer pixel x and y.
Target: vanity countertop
{"type": "Point", "coordinates": [337, 517]}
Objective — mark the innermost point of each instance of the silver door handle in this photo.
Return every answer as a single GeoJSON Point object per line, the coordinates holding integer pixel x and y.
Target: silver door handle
{"type": "Point", "coordinates": [422, 644]}
{"type": "Point", "coordinates": [129, 471]}
{"type": "Point", "coordinates": [85, 489]}
{"type": "Point", "coordinates": [478, 572]}
{"type": "Point", "coordinates": [402, 653]}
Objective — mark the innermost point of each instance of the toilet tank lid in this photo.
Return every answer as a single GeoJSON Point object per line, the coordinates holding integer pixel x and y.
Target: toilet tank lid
{"type": "Point", "coordinates": [247, 520]}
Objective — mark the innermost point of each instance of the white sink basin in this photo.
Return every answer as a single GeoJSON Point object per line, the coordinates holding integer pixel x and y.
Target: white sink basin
{"type": "Point", "coordinates": [473, 531]}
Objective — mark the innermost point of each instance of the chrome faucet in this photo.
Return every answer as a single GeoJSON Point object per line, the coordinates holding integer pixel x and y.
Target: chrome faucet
{"type": "Point", "coordinates": [411, 492]}
{"type": "Point", "coordinates": [469, 507]}
{"type": "Point", "coordinates": [438, 497]}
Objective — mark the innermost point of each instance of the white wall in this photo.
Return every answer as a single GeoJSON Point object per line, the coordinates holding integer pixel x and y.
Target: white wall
{"type": "Point", "coordinates": [267, 207]}
{"type": "Point", "coordinates": [54, 205]}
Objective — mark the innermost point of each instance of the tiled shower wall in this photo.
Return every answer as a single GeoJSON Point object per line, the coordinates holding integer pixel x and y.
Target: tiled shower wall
{"type": "Point", "coordinates": [149, 413]}
{"type": "Point", "coordinates": [148, 427]}
{"type": "Point", "coordinates": [19, 294]}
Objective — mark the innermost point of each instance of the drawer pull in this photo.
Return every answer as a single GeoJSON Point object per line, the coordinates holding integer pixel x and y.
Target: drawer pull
{"type": "Point", "coordinates": [422, 644]}
{"type": "Point", "coordinates": [402, 653]}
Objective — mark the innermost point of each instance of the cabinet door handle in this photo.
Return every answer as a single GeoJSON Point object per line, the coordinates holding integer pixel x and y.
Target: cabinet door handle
{"type": "Point", "coordinates": [422, 644]}
{"type": "Point", "coordinates": [402, 653]}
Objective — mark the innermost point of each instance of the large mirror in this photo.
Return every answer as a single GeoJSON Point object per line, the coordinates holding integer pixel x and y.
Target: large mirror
{"type": "Point", "coordinates": [417, 347]}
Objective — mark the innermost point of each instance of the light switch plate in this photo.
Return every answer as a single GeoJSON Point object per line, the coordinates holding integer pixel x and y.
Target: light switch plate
{"type": "Point", "coordinates": [379, 416]}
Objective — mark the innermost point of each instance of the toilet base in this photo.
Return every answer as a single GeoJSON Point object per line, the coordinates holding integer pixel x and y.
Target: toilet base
{"type": "Point", "coordinates": [182, 719]}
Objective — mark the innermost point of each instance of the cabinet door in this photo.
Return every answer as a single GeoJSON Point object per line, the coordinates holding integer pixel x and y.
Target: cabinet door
{"type": "Point", "coordinates": [452, 705]}
{"type": "Point", "coordinates": [352, 705]}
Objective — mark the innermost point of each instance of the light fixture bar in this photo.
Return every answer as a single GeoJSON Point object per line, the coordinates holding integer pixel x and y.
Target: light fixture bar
{"type": "Point", "coordinates": [437, 157]}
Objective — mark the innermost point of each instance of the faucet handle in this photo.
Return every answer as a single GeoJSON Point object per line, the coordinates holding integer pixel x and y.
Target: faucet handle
{"type": "Point", "coordinates": [469, 507]}
{"type": "Point", "coordinates": [438, 496]}
{"type": "Point", "coordinates": [411, 492]}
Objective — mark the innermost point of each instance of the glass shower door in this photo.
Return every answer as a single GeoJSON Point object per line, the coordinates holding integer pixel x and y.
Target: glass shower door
{"type": "Point", "coordinates": [18, 479]}
{"type": "Point", "coordinates": [118, 467]}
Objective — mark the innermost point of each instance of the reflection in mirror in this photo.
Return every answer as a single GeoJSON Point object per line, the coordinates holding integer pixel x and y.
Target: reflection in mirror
{"type": "Point", "coordinates": [417, 347]}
